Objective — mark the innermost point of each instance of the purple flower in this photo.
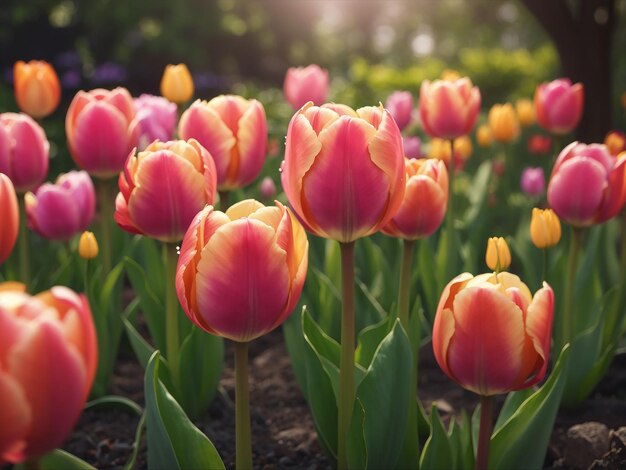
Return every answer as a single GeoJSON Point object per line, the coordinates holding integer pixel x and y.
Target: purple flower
{"type": "Point", "coordinates": [109, 72]}
{"type": "Point", "coordinates": [412, 147]}
{"type": "Point", "coordinates": [400, 105]}
{"type": "Point", "coordinates": [533, 181]}
{"type": "Point", "coordinates": [157, 118]}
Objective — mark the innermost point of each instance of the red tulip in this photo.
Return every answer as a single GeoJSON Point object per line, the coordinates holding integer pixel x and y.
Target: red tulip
{"type": "Point", "coordinates": [424, 205]}
{"type": "Point", "coordinates": [163, 188]}
{"type": "Point", "coordinates": [303, 84]}
{"type": "Point", "coordinates": [24, 151]}
{"type": "Point", "coordinates": [559, 105]}
{"type": "Point", "coordinates": [10, 217]}
{"type": "Point", "coordinates": [240, 273]}
{"type": "Point", "coordinates": [587, 185]}
{"type": "Point", "coordinates": [101, 130]}
{"type": "Point", "coordinates": [539, 144]}
{"type": "Point", "coordinates": [48, 358]}
{"type": "Point", "coordinates": [448, 109]}
{"type": "Point", "coordinates": [234, 131]}
{"type": "Point", "coordinates": [61, 210]}
{"type": "Point", "coordinates": [491, 335]}
{"type": "Point", "coordinates": [37, 87]}
{"type": "Point", "coordinates": [344, 170]}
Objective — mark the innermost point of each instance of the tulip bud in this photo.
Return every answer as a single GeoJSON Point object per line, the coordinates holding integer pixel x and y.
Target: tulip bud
{"type": "Point", "coordinates": [177, 84]}
{"type": "Point", "coordinates": [400, 105]}
{"type": "Point", "coordinates": [533, 181]}
{"type": "Point", "coordinates": [503, 123]}
{"type": "Point", "coordinates": [525, 110]}
{"type": "Point", "coordinates": [304, 84]}
{"type": "Point", "coordinates": [498, 256]}
{"type": "Point", "coordinates": [539, 144]}
{"type": "Point", "coordinates": [484, 136]}
{"type": "Point", "coordinates": [440, 148]}
{"type": "Point", "coordinates": [559, 105]}
{"type": "Point", "coordinates": [615, 141]}
{"type": "Point", "coordinates": [37, 88]}
{"type": "Point", "coordinates": [267, 188]}
{"type": "Point", "coordinates": [157, 118]}
{"type": "Point", "coordinates": [412, 147]}
{"type": "Point", "coordinates": [450, 75]}
{"type": "Point", "coordinates": [10, 217]}
{"type": "Point", "coordinates": [87, 245]}
{"type": "Point", "coordinates": [545, 228]}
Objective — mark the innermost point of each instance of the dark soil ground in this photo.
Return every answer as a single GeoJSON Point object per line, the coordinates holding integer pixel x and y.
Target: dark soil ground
{"type": "Point", "coordinates": [283, 433]}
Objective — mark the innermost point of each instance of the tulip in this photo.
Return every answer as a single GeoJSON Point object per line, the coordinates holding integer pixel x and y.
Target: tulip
{"type": "Point", "coordinates": [539, 144]}
{"type": "Point", "coordinates": [343, 174]}
{"type": "Point", "coordinates": [240, 273]}
{"type": "Point", "coordinates": [101, 130]}
{"type": "Point", "coordinates": [177, 84]}
{"type": "Point", "coordinates": [484, 137]}
{"type": "Point", "coordinates": [87, 246]}
{"type": "Point", "coordinates": [615, 141]}
{"type": "Point", "coordinates": [303, 84]}
{"type": "Point", "coordinates": [400, 105]}
{"type": "Point", "coordinates": [440, 149]}
{"type": "Point", "coordinates": [234, 131]}
{"type": "Point", "coordinates": [10, 217]}
{"type": "Point", "coordinates": [503, 123]}
{"type": "Point", "coordinates": [623, 100]}
{"type": "Point", "coordinates": [533, 181]}
{"type": "Point", "coordinates": [37, 88]}
{"type": "Point", "coordinates": [450, 75]}
{"type": "Point", "coordinates": [61, 210]}
{"type": "Point", "coordinates": [47, 366]}
{"type": "Point", "coordinates": [587, 185]}
{"type": "Point", "coordinates": [163, 207]}
{"type": "Point", "coordinates": [157, 119]}
{"type": "Point", "coordinates": [497, 256]}
{"type": "Point", "coordinates": [448, 109]}
{"type": "Point", "coordinates": [559, 105]}
{"type": "Point", "coordinates": [24, 151]}
{"type": "Point", "coordinates": [424, 205]}
{"type": "Point", "coordinates": [267, 188]}
{"type": "Point", "coordinates": [412, 147]}
{"type": "Point", "coordinates": [525, 110]}
{"type": "Point", "coordinates": [545, 228]}
{"type": "Point", "coordinates": [491, 335]}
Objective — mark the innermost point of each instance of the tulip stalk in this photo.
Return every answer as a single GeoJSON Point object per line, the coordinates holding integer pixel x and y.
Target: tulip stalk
{"type": "Point", "coordinates": [23, 245]}
{"type": "Point", "coordinates": [450, 248]}
{"type": "Point", "coordinates": [346, 362]}
{"type": "Point", "coordinates": [171, 312]}
{"type": "Point", "coordinates": [243, 440]}
{"type": "Point", "coordinates": [106, 214]}
{"type": "Point", "coordinates": [405, 280]}
{"type": "Point", "coordinates": [568, 304]}
{"type": "Point", "coordinates": [484, 433]}
{"type": "Point", "coordinates": [224, 196]}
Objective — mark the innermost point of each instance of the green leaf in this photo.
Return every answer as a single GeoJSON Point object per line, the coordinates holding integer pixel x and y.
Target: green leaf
{"type": "Point", "coordinates": [522, 441]}
{"type": "Point", "coordinates": [294, 341]}
{"type": "Point", "coordinates": [115, 401]}
{"type": "Point", "coordinates": [369, 340]}
{"type": "Point", "coordinates": [511, 404]}
{"type": "Point", "coordinates": [357, 452]}
{"type": "Point", "coordinates": [132, 460]}
{"type": "Point", "coordinates": [59, 460]}
{"type": "Point", "coordinates": [437, 452]}
{"type": "Point", "coordinates": [426, 263]}
{"type": "Point", "coordinates": [173, 440]}
{"type": "Point", "coordinates": [143, 350]}
{"type": "Point", "coordinates": [202, 361]}
{"type": "Point", "coordinates": [109, 286]}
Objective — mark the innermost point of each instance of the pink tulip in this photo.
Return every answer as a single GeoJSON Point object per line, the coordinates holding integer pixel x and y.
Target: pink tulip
{"type": "Point", "coordinates": [101, 130]}
{"type": "Point", "coordinates": [61, 210]}
{"type": "Point", "coordinates": [533, 181]}
{"type": "Point", "coordinates": [559, 105]}
{"type": "Point", "coordinates": [303, 84]}
{"type": "Point", "coordinates": [424, 205]}
{"type": "Point", "coordinates": [48, 358]}
{"type": "Point", "coordinates": [587, 185]}
{"type": "Point", "coordinates": [157, 119]}
{"type": "Point", "coordinates": [24, 151]}
{"type": "Point", "coordinates": [267, 188]}
{"type": "Point", "coordinates": [163, 188]}
{"type": "Point", "coordinates": [448, 109]}
{"type": "Point", "coordinates": [240, 273]}
{"type": "Point", "coordinates": [344, 170]}
{"type": "Point", "coordinates": [412, 147]}
{"type": "Point", "coordinates": [491, 335]}
{"type": "Point", "coordinates": [400, 105]}
{"type": "Point", "coordinates": [234, 131]}
{"type": "Point", "coordinates": [9, 227]}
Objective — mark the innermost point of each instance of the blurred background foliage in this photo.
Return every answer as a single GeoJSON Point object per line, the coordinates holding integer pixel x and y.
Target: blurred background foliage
{"type": "Point", "coordinates": [371, 47]}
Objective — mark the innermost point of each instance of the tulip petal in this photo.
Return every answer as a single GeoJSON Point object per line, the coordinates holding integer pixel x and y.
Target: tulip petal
{"type": "Point", "coordinates": [251, 143]}
{"type": "Point", "coordinates": [242, 282]}
{"type": "Point", "coordinates": [615, 193]}
{"type": "Point", "coordinates": [15, 419]}
{"type": "Point", "coordinates": [56, 215]}
{"type": "Point", "coordinates": [10, 217]}
{"type": "Point", "coordinates": [539, 328]}
{"type": "Point", "coordinates": [29, 163]}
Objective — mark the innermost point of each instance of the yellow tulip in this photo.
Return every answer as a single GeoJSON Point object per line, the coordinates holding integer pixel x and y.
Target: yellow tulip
{"type": "Point", "coordinates": [503, 123]}
{"type": "Point", "coordinates": [498, 256]}
{"type": "Point", "coordinates": [177, 84]}
{"type": "Point", "coordinates": [525, 110]}
{"type": "Point", "coordinates": [545, 228]}
{"type": "Point", "coordinates": [483, 136]}
{"type": "Point", "coordinates": [87, 246]}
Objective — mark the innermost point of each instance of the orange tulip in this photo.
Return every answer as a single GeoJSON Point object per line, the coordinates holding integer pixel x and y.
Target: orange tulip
{"type": "Point", "coordinates": [240, 273]}
{"type": "Point", "coordinates": [503, 123]}
{"type": "Point", "coordinates": [425, 199]}
{"type": "Point", "coordinates": [48, 358]}
{"type": "Point", "coordinates": [440, 149]}
{"type": "Point", "coordinates": [525, 110]}
{"type": "Point", "coordinates": [37, 87]}
{"type": "Point", "coordinates": [491, 335]}
{"type": "Point", "coordinates": [10, 217]}
{"type": "Point", "coordinates": [177, 84]}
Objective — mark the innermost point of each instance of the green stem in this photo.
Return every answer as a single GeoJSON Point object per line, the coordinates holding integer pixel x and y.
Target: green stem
{"type": "Point", "coordinates": [450, 249]}
{"type": "Point", "coordinates": [567, 314]}
{"type": "Point", "coordinates": [558, 143]}
{"type": "Point", "coordinates": [86, 278]}
{"type": "Point", "coordinates": [23, 245]}
{"type": "Point", "coordinates": [106, 214]}
{"type": "Point", "coordinates": [243, 440]}
{"type": "Point", "coordinates": [484, 434]}
{"type": "Point", "coordinates": [544, 274]}
{"type": "Point", "coordinates": [171, 311]}
{"type": "Point", "coordinates": [405, 281]}
{"type": "Point", "coordinates": [346, 361]}
{"type": "Point", "coordinates": [224, 197]}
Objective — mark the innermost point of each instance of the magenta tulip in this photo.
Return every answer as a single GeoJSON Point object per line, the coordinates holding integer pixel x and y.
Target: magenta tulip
{"type": "Point", "coordinates": [533, 181]}
{"type": "Point", "coordinates": [559, 105]}
{"type": "Point", "coordinates": [10, 217]}
{"type": "Point", "coordinates": [24, 151]}
{"type": "Point", "coordinates": [157, 119]}
{"type": "Point", "coordinates": [303, 84]}
{"type": "Point", "coordinates": [400, 105]}
{"type": "Point", "coordinates": [587, 185]}
{"type": "Point", "coordinates": [412, 147]}
{"type": "Point", "coordinates": [267, 188]}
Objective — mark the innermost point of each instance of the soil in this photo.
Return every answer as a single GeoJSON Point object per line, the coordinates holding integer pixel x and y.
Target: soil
{"type": "Point", "coordinates": [283, 432]}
